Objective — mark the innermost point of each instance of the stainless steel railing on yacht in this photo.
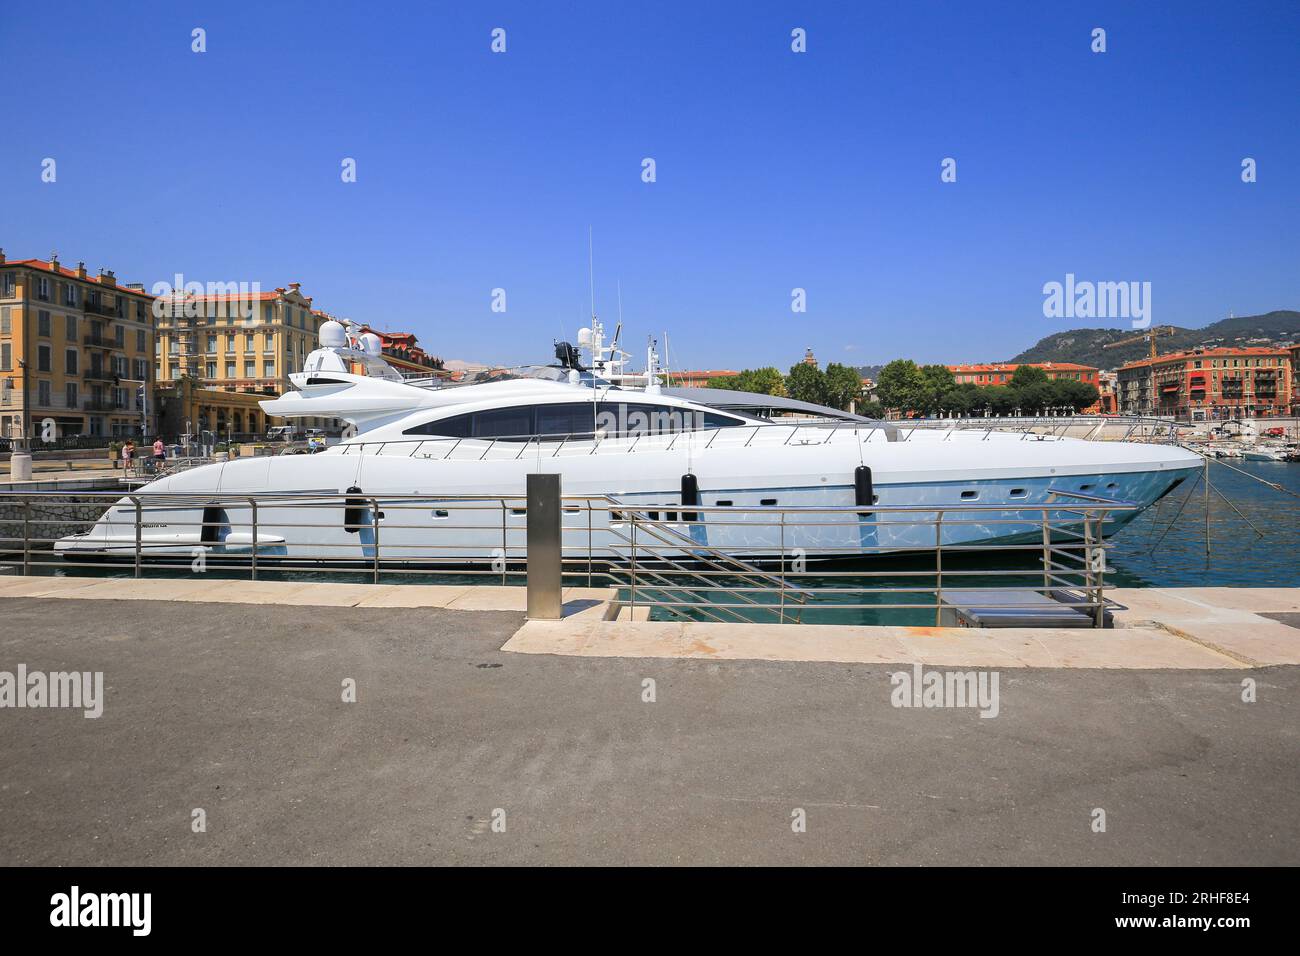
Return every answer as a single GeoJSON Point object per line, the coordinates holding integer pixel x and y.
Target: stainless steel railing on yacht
{"type": "Point", "coordinates": [653, 555]}
{"type": "Point", "coordinates": [555, 446]}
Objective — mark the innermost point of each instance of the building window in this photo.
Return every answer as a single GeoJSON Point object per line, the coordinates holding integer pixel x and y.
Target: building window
{"type": "Point", "coordinates": [7, 285]}
{"type": "Point", "coordinates": [268, 370]}
{"type": "Point", "coordinates": [5, 321]}
{"type": "Point", "coordinates": [70, 362]}
{"type": "Point", "coordinates": [139, 340]}
{"type": "Point", "coordinates": [250, 370]}
{"type": "Point", "coordinates": [43, 288]}
{"type": "Point", "coordinates": [43, 324]}
{"type": "Point", "coordinates": [70, 327]}
{"type": "Point", "coordinates": [230, 370]}
{"type": "Point", "coordinates": [70, 294]}
{"type": "Point", "coordinates": [248, 342]}
{"type": "Point", "coordinates": [42, 358]}
{"type": "Point", "coordinates": [210, 369]}
{"type": "Point", "coordinates": [70, 394]}
{"type": "Point", "coordinates": [6, 358]}
{"type": "Point", "coordinates": [119, 336]}
{"type": "Point", "coordinates": [142, 370]}
{"type": "Point", "coordinates": [43, 393]}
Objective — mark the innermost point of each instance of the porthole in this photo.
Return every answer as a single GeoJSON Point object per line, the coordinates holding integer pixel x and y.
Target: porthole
{"type": "Point", "coordinates": [1019, 493]}
{"type": "Point", "coordinates": [722, 504]}
{"type": "Point", "coordinates": [441, 513]}
{"type": "Point", "coordinates": [767, 502]}
{"type": "Point", "coordinates": [970, 495]}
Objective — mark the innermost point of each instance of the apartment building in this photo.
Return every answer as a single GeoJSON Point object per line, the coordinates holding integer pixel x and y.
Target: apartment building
{"type": "Point", "coordinates": [75, 352]}
{"type": "Point", "coordinates": [1208, 384]}
{"type": "Point", "coordinates": [232, 350]}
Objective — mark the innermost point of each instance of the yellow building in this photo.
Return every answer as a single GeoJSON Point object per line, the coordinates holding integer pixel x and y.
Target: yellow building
{"type": "Point", "coordinates": [237, 348]}
{"type": "Point", "coordinates": [75, 350]}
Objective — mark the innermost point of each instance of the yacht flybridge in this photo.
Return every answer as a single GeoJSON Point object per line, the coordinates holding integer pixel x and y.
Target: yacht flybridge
{"type": "Point", "coordinates": [620, 438]}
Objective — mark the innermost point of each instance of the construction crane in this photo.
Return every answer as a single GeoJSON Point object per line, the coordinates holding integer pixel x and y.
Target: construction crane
{"type": "Point", "coordinates": [1148, 336]}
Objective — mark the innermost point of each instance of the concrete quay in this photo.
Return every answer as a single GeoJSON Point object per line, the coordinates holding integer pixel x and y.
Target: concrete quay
{"type": "Point", "coordinates": [225, 697]}
{"type": "Point", "coordinates": [1192, 628]}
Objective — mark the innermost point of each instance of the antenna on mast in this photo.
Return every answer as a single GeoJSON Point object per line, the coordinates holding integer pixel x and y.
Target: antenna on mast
{"type": "Point", "coordinates": [591, 272]}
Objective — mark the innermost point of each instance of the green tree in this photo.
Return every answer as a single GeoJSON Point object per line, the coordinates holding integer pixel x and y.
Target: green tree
{"type": "Point", "coordinates": [843, 385]}
{"type": "Point", "coordinates": [764, 381]}
{"type": "Point", "coordinates": [998, 399]}
{"type": "Point", "coordinates": [901, 387]}
{"type": "Point", "coordinates": [807, 383]}
{"type": "Point", "coordinates": [1026, 375]}
{"type": "Point", "coordinates": [1071, 393]}
{"type": "Point", "coordinates": [937, 383]}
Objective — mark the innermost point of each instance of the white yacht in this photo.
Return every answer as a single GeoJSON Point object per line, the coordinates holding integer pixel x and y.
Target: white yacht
{"type": "Point", "coordinates": [635, 446]}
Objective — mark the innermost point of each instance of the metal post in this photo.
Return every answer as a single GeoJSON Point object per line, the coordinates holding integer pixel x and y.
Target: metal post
{"type": "Point", "coordinates": [139, 543]}
{"type": "Point", "coordinates": [374, 526]}
{"type": "Point", "coordinates": [1099, 612]}
{"type": "Point", "coordinates": [938, 569]}
{"type": "Point", "coordinates": [504, 545]}
{"type": "Point", "coordinates": [781, 615]}
{"type": "Point", "coordinates": [253, 504]}
{"type": "Point", "coordinates": [27, 531]}
{"type": "Point", "coordinates": [1047, 552]}
{"type": "Point", "coordinates": [632, 518]}
{"type": "Point", "coordinates": [545, 556]}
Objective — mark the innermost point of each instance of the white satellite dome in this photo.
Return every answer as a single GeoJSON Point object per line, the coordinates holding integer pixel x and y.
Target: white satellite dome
{"type": "Point", "coordinates": [372, 344]}
{"type": "Point", "coordinates": [333, 335]}
{"type": "Point", "coordinates": [584, 337]}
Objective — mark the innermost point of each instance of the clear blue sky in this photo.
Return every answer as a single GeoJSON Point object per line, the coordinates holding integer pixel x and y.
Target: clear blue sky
{"type": "Point", "coordinates": [775, 170]}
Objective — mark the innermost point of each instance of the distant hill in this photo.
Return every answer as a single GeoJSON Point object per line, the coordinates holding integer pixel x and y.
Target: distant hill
{"type": "Point", "coordinates": [868, 371]}
{"type": "Point", "coordinates": [1084, 346]}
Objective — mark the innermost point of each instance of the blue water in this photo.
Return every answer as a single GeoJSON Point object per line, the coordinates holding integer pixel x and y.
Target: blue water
{"type": "Point", "coordinates": [1156, 550]}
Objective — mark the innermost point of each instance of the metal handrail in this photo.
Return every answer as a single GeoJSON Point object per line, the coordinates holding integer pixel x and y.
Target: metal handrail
{"type": "Point", "coordinates": [663, 567]}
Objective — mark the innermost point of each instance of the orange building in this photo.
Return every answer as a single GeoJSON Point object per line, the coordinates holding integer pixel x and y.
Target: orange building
{"type": "Point", "coordinates": [1206, 384]}
{"type": "Point", "coordinates": [1000, 373]}
{"type": "Point", "coordinates": [403, 352]}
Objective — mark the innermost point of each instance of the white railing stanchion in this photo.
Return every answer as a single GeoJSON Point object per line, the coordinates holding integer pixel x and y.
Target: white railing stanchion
{"type": "Point", "coordinates": [374, 534]}
{"type": "Point", "coordinates": [253, 562]}
{"type": "Point", "coordinates": [139, 536]}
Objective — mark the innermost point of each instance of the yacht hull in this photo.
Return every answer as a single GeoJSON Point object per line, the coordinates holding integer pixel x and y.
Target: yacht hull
{"type": "Point", "coordinates": [956, 488]}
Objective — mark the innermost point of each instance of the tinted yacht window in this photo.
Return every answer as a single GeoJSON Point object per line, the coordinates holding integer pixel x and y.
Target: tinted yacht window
{"type": "Point", "coordinates": [503, 423]}
{"type": "Point", "coordinates": [571, 418]}
{"type": "Point", "coordinates": [458, 426]}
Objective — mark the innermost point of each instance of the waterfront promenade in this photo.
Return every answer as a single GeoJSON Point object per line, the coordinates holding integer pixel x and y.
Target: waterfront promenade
{"type": "Point", "coordinates": [464, 709]}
